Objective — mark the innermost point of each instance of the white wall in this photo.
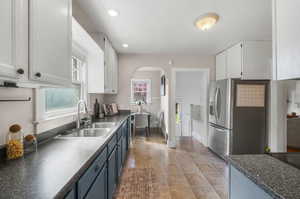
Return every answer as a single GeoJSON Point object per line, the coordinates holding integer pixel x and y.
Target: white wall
{"type": "Point", "coordinates": [277, 116]}
{"type": "Point", "coordinates": [129, 63]}
{"type": "Point", "coordinates": [15, 112]}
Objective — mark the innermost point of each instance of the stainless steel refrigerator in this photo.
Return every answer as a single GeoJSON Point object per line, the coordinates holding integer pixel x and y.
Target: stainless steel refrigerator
{"type": "Point", "coordinates": [238, 117]}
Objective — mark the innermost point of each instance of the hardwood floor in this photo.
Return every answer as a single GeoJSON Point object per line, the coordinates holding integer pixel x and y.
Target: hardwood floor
{"type": "Point", "coordinates": [188, 172]}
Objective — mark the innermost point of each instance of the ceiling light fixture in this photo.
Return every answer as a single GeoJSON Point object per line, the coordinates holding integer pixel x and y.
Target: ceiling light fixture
{"type": "Point", "coordinates": [207, 21]}
{"type": "Point", "coordinates": [113, 13]}
{"type": "Point", "coordinates": [125, 45]}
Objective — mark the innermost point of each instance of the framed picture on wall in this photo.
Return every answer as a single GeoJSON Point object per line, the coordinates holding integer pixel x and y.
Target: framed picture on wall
{"type": "Point", "coordinates": [163, 85]}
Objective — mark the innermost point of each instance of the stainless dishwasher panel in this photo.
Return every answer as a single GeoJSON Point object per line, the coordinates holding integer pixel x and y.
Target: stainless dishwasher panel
{"type": "Point", "coordinates": [218, 140]}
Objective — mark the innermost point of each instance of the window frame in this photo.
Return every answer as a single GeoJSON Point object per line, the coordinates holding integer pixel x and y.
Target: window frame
{"type": "Point", "coordinates": [149, 83]}
{"type": "Point", "coordinates": [42, 114]}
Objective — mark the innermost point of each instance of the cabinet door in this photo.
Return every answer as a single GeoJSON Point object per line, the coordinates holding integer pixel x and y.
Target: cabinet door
{"type": "Point", "coordinates": [71, 195]}
{"type": "Point", "coordinates": [108, 67]}
{"type": "Point", "coordinates": [124, 151]}
{"type": "Point", "coordinates": [234, 61]}
{"type": "Point", "coordinates": [50, 41]}
{"type": "Point", "coordinates": [99, 188]}
{"type": "Point", "coordinates": [13, 38]}
{"type": "Point", "coordinates": [119, 157]}
{"type": "Point", "coordinates": [112, 174]}
{"type": "Point", "coordinates": [286, 38]}
{"type": "Point", "coordinates": [221, 69]}
{"type": "Point", "coordinates": [240, 187]}
{"type": "Point", "coordinates": [257, 60]}
{"type": "Point", "coordinates": [115, 73]}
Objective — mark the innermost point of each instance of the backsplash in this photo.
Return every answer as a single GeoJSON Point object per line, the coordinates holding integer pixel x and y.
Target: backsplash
{"type": "Point", "coordinates": [15, 112]}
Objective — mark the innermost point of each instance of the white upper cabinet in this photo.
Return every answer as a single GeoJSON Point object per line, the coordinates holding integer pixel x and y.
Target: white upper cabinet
{"type": "Point", "coordinates": [110, 68]}
{"type": "Point", "coordinates": [13, 39]}
{"type": "Point", "coordinates": [234, 61]}
{"type": "Point", "coordinates": [257, 60]}
{"type": "Point", "coordinates": [246, 60]}
{"type": "Point", "coordinates": [221, 67]}
{"type": "Point", "coordinates": [286, 39]}
{"type": "Point", "coordinates": [50, 41]}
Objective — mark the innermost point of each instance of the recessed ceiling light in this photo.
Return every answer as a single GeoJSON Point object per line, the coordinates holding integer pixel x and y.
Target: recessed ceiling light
{"type": "Point", "coordinates": [125, 45]}
{"type": "Point", "coordinates": [113, 13]}
{"type": "Point", "coordinates": [207, 21]}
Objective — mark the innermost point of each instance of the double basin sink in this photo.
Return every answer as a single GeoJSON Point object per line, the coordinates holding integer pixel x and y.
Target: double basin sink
{"type": "Point", "coordinates": [98, 129]}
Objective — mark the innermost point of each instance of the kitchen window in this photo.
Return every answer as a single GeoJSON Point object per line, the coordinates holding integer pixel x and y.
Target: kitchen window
{"type": "Point", "coordinates": [141, 90]}
{"type": "Point", "coordinates": [56, 102]}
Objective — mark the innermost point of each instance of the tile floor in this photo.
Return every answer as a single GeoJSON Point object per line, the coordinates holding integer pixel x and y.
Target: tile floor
{"type": "Point", "coordinates": [190, 171]}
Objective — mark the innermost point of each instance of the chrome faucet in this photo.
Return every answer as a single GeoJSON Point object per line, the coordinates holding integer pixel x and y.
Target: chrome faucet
{"type": "Point", "coordinates": [78, 112]}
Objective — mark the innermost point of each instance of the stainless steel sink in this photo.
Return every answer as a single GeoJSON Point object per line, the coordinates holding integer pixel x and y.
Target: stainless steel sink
{"type": "Point", "coordinates": [90, 132]}
{"type": "Point", "coordinates": [104, 124]}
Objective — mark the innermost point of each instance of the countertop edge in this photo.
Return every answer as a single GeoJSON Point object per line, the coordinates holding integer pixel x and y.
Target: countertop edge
{"type": "Point", "coordinates": [70, 184]}
{"type": "Point", "coordinates": [254, 179]}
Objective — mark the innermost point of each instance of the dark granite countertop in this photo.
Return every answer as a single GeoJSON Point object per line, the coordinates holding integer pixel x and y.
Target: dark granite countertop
{"type": "Point", "coordinates": [54, 169]}
{"type": "Point", "coordinates": [280, 180]}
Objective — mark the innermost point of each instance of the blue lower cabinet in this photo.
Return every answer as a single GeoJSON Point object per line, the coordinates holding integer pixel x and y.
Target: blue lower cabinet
{"type": "Point", "coordinates": [124, 149]}
{"type": "Point", "coordinates": [87, 179]}
{"type": "Point", "coordinates": [71, 195]}
{"type": "Point", "coordinates": [99, 188]}
{"type": "Point", "coordinates": [127, 134]}
{"type": "Point", "coordinates": [241, 187]}
{"type": "Point", "coordinates": [112, 173]}
{"type": "Point", "coordinates": [99, 181]}
{"type": "Point", "coordinates": [119, 158]}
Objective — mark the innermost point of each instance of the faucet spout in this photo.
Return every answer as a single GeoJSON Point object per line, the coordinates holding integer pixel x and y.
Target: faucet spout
{"type": "Point", "coordinates": [80, 102]}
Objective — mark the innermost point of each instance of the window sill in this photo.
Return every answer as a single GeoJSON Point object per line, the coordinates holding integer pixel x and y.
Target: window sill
{"type": "Point", "coordinates": [60, 116]}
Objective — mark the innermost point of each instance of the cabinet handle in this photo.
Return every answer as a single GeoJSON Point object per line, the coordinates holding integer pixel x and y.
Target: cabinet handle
{"type": "Point", "coordinates": [20, 71]}
{"type": "Point", "coordinates": [38, 75]}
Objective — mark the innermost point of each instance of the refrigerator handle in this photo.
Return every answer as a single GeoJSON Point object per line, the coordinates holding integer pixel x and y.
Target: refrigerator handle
{"type": "Point", "coordinates": [216, 104]}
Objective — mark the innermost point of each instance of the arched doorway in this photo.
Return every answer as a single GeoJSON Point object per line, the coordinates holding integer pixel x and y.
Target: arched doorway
{"type": "Point", "coordinates": [149, 93]}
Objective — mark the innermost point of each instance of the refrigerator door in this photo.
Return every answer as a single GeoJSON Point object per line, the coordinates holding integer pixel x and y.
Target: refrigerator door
{"type": "Point", "coordinates": [212, 95]}
{"type": "Point", "coordinates": [218, 140]}
{"type": "Point", "coordinates": [222, 103]}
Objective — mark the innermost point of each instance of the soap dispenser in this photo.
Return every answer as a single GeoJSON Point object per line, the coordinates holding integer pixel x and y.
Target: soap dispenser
{"type": "Point", "coordinates": [96, 109]}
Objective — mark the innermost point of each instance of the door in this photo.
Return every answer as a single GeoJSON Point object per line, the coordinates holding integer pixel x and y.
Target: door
{"type": "Point", "coordinates": [218, 140]}
{"type": "Point", "coordinates": [234, 61]}
{"type": "Point", "coordinates": [221, 68]}
{"type": "Point", "coordinates": [50, 54]}
{"type": "Point", "coordinates": [99, 188]}
{"type": "Point", "coordinates": [112, 174]}
{"type": "Point", "coordinates": [13, 33]}
{"type": "Point", "coordinates": [222, 103]}
{"type": "Point", "coordinates": [249, 134]}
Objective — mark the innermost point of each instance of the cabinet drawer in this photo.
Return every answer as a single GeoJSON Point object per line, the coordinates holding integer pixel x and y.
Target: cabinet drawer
{"type": "Point", "coordinates": [112, 143]}
{"type": "Point", "coordinates": [89, 176]}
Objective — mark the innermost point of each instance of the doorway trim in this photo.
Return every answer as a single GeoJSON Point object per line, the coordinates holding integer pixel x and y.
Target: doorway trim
{"type": "Point", "coordinates": [173, 98]}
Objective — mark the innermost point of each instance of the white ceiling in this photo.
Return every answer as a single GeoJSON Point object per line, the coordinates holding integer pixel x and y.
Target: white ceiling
{"type": "Point", "coordinates": [166, 26]}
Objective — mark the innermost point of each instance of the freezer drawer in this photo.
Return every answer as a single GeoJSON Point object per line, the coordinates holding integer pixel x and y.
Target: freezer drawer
{"type": "Point", "coordinates": [218, 140]}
